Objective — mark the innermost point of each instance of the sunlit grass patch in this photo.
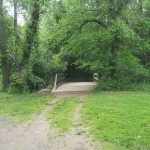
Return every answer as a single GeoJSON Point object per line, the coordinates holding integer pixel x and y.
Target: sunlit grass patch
{"type": "Point", "coordinates": [119, 120]}
{"type": "Point", "coordinates": [23, 107]}
{"type": "Point", "coordinates": [60, 116]}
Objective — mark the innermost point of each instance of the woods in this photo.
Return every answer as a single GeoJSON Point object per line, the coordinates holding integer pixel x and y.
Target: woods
{"type": "Point", "coordinates": [76, 40]}
{"type": "Point", "coordinates": [109, 37]}
{"type": "Point", "coordinates": [3, 49]}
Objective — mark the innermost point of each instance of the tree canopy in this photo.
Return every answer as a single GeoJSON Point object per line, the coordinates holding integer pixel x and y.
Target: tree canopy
{"type": "Point", "coordinates": [110, 37]}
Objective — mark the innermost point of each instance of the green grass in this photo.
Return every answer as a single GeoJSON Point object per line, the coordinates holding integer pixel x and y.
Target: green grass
{"type": "Point", "coordinates": [23, 107]}
{"type": "Point", "coordinates": [120, 120]}
{"type": "Point", "coordinates": [61, 114]}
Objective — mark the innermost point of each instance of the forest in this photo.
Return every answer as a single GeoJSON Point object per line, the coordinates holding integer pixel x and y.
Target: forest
{"type": "Point", "coordinates": [39, 38]}
{"type": "Point", "coordinates": [77, 38]}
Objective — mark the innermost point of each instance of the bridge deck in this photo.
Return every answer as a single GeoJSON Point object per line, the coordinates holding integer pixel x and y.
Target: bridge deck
{"type": "Point", "coordinates": [75, 87]}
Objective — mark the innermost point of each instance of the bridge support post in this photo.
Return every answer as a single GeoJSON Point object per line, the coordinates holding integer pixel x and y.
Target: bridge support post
{"type": "Point", "coordinates": [95, 77]}
{"type": "Point", "coordinates": [55, 82]}
{"type": "Point", "coordinates": [59, 79]}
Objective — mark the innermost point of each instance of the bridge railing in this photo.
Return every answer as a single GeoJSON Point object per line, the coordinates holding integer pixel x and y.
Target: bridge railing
{"type": "Point", "coordinates": [95, 77]}
{"type": "Point", "coordinates": [59, 79]}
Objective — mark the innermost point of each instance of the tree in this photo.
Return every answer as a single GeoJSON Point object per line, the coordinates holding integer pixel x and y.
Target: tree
{"type": "Point", "coordinates": [31, 32]}
{"type": "Point", "coordinates": [102, 37]}
{"type": "Point", "coordinates": [110, 37]}
{"type": "Point", "coordinates": [3, 47]}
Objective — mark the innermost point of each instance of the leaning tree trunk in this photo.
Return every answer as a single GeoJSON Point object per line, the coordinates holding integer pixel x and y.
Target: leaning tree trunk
{"type": "Point", "coordinates": [31, 32]}
{"type": "Point", "coordinates": [4, 57]}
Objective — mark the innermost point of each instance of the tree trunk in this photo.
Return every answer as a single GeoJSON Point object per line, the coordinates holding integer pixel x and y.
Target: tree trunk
{"type": "Point", "coordinates": [5, 72]}
{"type": "Point", "coordinates": [4, 58]}
{"type": "Point", "coordinates": [15, 53]}
{"type": "Point", "coordinates": [15, 28]}
{"type": "Point", "coordinates": [31, 32]}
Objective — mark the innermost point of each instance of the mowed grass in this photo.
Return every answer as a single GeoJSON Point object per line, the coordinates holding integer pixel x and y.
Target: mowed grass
{"type": "Point", "coordinates": [120, 120]}
{"type": "Point", "coordinates": [61, 115]}
{"type": "Point", "coordinates": [23, 107]}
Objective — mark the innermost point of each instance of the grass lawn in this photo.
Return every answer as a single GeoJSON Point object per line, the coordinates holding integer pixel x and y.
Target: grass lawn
{"type": "Point", "coordinates": [60, 116]}
{"type": "Point", "coordinates": [119, 120]}
{"type": "Point", "coordinates": [23, 107]}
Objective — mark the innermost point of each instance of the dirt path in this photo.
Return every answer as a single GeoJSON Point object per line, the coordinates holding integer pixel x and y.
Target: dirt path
{"type": "Point", "coordinates": [36, 134]}
{"type": "Point", "coordinates": [76, 139]}
{"type": "Point", "coordinates": [31, 135]}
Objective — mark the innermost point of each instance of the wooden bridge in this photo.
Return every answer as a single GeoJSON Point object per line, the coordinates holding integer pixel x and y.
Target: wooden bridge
{"type": "Point", "coordinates": [60, 86]}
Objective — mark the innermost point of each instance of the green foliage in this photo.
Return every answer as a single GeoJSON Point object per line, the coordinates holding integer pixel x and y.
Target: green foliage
{"type": "Point", "coordinates": [108, 37]}
{"type": "Point", "coordinates": [18, 85]}
{"type": "Point", "coordinates": [34, 83]}
{"type": "Point", "coordinates": [145, 86]}
{"type": "Point", "coordinates": [46, 69]}
{"type": "Point", "coordinates": [37, 75]}
{"type": "Point", "coordinates": [119, 120]}
{"type": "Point", "coordinates": [113, 85]}
{"type": "Point", "coordinates": [0, 81]}
{"type": "Point", "coordinates": [43, 71]}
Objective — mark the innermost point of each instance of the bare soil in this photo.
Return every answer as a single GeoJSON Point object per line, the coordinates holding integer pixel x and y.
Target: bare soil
{"type": "Point", "coordinates": [76, 139]}
{"type": "Point", "coordinates": [37, 134]}
{"type": "Point", "coordinates": [31, 135]}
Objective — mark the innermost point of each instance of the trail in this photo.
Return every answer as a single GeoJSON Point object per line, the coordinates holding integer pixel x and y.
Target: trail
{"type": "Point", "coordinates": [37, 133]}
{"type": "Point", "coordinates": [76, 139]}
{"type": "Point", "coordinates": [31, 135]}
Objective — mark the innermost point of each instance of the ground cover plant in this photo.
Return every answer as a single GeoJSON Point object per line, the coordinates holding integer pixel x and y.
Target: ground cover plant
{"type": "Point", "coordinates": [119, 120]}
{"type": "Point", "coordinates": [23, 107]}
{"type": "Point", "coordinates": [61, 114]}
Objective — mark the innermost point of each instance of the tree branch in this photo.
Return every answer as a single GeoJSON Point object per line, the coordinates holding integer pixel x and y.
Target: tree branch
{"type": "Point", "coordinates": [91, 21]}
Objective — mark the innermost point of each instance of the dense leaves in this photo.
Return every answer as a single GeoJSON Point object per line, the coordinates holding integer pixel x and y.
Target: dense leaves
{"type": "Point", "coordinates": [109, 37]}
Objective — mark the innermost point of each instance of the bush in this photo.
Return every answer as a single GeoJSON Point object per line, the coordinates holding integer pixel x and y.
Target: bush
{"type": "Point", "coordinates": [129, 74]}
{"type": "Point", "coordinates": [0, 81]}
{"type": "Point", "coordinates": [37, 75]}
{"type": "Point", "coordinates": [46, 69]}
{"type": "Point", "coordinates": [145, 86]}
{"type": "Point", "coordinates": [25, 83]}
{"type": "Point", "coordinates": [34, 83]}
{"type": "Point", "coordinates": [114, 85]}
{"type": "Point", "coordinates": [18, 85]}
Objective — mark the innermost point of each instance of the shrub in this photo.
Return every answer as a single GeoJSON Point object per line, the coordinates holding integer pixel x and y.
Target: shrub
{"type": "Point", "coordinates": [18, 84]}
{"type": "Point", "coordinates": [0, 81]}
{"type": "Point", "coordinates": [114, 85]}
{"type": "Point", "coordinates": [46, 69]}
{"type": "Point", "coordinates": [34, 83]}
